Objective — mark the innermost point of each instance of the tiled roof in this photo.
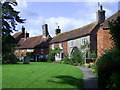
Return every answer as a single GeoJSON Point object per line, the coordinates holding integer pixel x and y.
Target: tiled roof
{"type": "Point", "coordinates": [16, 34]}
{"type": "Point", "coordinates": [32, 42]}
{"type": "Point", "coordinates": [113, 17]}
{"type": "Point", "coordinates": [74, 33]}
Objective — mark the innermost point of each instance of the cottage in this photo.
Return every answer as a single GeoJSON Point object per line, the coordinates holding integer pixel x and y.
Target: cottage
{"type": "Point", "coordinates": [38, 45]}
{"type": "Point", "coordinates": [93, 34]}
{"type": "Point", "coordinates": [104, 41]}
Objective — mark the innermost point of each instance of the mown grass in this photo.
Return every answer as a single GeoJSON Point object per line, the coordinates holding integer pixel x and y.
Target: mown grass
{"type": "Point", "coordinates": [41, 75]}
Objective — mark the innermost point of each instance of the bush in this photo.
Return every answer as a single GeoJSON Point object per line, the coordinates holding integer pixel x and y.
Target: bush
{"type": "Point", "coordinates": [50, 57]}
{"type": "Point", "coordinates": [108, 64]}
{"type": "Point", "coordinates": [67, 60]}
{"type": "Point", "coordinates": [42, 60]}
{"type": "Point", "coordinates": [114, 81]}
{"type": "Point", "coordinates": [91, 65]}
{"type": "Point", "coordinates": [77, 57]}
{"type": "Point", "coordinates": [10, 58]}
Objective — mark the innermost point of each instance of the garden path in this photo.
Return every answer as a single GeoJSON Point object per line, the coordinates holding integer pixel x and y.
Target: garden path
{"type": "Point", "coordinates": [90, 82]}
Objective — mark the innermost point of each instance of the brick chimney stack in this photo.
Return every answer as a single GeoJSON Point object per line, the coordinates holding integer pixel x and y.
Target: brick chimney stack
{"type": "Point", "coordinates": [27, 34]}
{"type": "Point", "coordinates": [101, 15]}
{"type": "Point", "coordinates": [23, 29]}
{"type": "Point", "coordinates": [45, 30]}
{"type": "Point", "coordinates": [58, 30]}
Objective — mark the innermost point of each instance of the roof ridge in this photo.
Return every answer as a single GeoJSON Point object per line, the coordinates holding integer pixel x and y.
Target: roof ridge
{"type": "Point", "coordinates": [112, 15]}
{"type": "Point", "coordinates": [76, 29]}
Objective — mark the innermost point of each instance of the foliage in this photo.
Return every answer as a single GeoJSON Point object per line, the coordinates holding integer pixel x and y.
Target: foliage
{"type": "Point", "coordinates": [91, 65]}
{"type": "Point", "coordinates": [115, 31]}
{"type": "Point", "coordinates": [77, 57]}
{"type": "Point", "coordinates": [9, 21]}
{"type": "Point", "coordinates": [67, 60]}
{"type": "Point", "coordinates": [43, 59]}
{"type": "Point", "coordinates": [114, 81]}
{"type": "Point", "coordinates": [10, 59]}
{"type": "Point", "coordinates": [52, 53]}
{"type": "Point", "coordinates": [28, 54]}
{"type": "Point", "coordinates": [41, 75]}
{"type": "Point", "coordinates": [109, 64]}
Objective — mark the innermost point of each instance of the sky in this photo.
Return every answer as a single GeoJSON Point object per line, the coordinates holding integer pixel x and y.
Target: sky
{"type": "Point", "coordinates": [68, 15]}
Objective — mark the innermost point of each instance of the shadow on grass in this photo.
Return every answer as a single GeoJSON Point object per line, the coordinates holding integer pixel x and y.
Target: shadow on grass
{"type": "Point", "coordinates": [78, 83]}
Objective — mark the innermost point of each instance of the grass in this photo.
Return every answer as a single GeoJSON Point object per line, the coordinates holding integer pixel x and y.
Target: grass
{"type": "Point", "coordinates": [41, 75]}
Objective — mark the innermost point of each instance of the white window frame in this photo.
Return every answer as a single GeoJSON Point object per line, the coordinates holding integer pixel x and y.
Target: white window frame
{"type": "Point", "coordinates": [60, 45]}
{"type": "Point", "coordinates": [53, 46]}
{"type": "Point", "coordinates": [84, 40]}
{"type": "Point", "coordinates": [22, 50]}
{"type": "Point", "coordinates": [71, 43]}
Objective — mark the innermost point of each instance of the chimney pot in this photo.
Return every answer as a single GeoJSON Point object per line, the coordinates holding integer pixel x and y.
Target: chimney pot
{"type": "Point", "coordinates": [58, 30]}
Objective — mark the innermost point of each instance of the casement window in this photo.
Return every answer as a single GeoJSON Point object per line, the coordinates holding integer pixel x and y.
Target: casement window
{"type": "Point", "coordinates": [60, 45]}
{"type": "Point", "coordinates": [84, 41]}
{"type": "Point", "coordinates": [53, 45]}
{"type": "Point", "coordinates": [29, 50]}
{"type": "Point", "coordinates": [23, 50]}
{"type": "Point", "coordinates": [71, 43]}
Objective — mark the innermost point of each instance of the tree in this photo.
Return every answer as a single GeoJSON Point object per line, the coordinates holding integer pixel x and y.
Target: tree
{"type": "Point", "coordinates": [10, 18]}
{"type": "Point", "coordinates": [52, 53]}
{"type": "Point", "coordinates": [115, 31]}
{"type": "Point", "coordinates": [108, 66]}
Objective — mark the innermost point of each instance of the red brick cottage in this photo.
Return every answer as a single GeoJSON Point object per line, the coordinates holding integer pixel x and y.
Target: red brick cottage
{"type": "Point", "coordinates": [103, 37]}
{"type": "Point", "coordinates": [39, 45]}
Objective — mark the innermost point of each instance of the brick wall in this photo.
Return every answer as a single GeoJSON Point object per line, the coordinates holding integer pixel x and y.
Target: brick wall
{"type": "Point", "coordinates": [64, 44]}
{"type": "Point", "coordinates": [21, 51]}
{"type": "Point", "coordinates": [103, 41]}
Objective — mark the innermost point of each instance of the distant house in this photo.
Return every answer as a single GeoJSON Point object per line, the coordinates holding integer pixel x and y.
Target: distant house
{"type": "Point", "coordinates": [93, 34]}
{"type": "Point", "coordinates": [39, 45]}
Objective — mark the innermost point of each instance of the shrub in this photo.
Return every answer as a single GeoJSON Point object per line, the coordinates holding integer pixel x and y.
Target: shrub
{"type": "Point", "coordinates": [108, 64]}
{"type": "Point", "coordinates": [77, 57]}
{"type": "Point", "coordinates": [91, 65]}
{"type": "Point", "coordinates": [114, 81]}
{"type": "Point", "coordinates": [42, 60]}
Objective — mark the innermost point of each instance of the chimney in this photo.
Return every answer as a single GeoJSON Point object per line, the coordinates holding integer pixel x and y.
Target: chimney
{"type": "Point", "coordinates": [23, 29]}
{"type": "Point", "coordinates": [27, 34]}
{"type": "Point", "coordinates": [101, 15]}
{"type": "Point", "coordinates": [45, 30]}
{"type": "Point", "coordinates": [58, 30]}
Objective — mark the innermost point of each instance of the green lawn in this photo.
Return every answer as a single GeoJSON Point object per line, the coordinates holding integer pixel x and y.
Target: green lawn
{"type": "Point", "coordinates": [41, 75]}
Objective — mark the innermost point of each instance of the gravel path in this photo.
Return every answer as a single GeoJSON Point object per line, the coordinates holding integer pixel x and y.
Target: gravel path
{"type": "Point", "coordinates": [90, 81]}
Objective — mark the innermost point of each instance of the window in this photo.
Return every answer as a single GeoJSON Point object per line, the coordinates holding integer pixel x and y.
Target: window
{"type": "Point", "coordinates": [71, 43]}
{"type": "Point", "coordinates": [84, 41]}
{"type": "Point", "coordinates": [60, 45]}
{"type": "Point", "coordinates": [53, 46]}
{"type": "Point", "coordinates": [23, 50]}
{"type": "Point", "coordinates": [29, 50]}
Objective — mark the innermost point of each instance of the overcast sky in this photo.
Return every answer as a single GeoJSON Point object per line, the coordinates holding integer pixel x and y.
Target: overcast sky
{"type": "Point", "coordinates": [69, 15]}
